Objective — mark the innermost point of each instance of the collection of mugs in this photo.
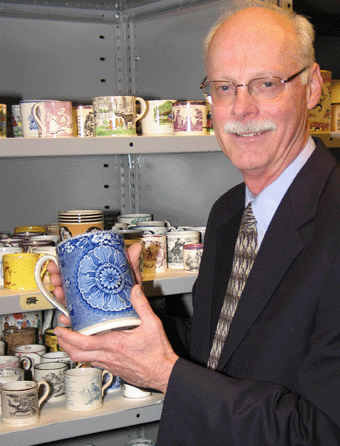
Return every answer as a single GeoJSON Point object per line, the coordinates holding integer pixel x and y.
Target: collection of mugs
{"type": "Point", "coordinates": [107, 116]}
{"type": "Point", "coordinates": [19, 253]}
{"type": "Point", "coordinates": [164, 246]}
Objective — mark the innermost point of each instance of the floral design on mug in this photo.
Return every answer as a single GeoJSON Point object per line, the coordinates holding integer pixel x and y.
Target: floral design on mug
{"type": "Point", "coordinates": [102, 279]}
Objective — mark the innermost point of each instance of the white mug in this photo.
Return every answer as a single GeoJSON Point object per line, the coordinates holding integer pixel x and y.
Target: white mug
{"type": "Point", "coordinates": [32, 351]}
{"type": "Point", "coordinates": [53, 374]}
{"type": "Point", "coordinates": [133, 392]}
{"type": "Point", "coordinates": [84, 388]}
{"type": "Point", "coordinates": [58, 357]}
{"type": "Point", "coordinates": [158, 118]}
{"type": "Point", "coordinates": [20, 402]}
{"type": "Point", "coordinates": [175, 242]}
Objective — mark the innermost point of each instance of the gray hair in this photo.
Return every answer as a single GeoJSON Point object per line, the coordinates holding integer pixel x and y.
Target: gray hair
{"type": "Point", "coordinates": [303, 28]}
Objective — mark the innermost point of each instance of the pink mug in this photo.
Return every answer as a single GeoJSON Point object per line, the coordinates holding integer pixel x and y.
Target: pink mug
{"type": "Point", "coordinates": [54, 118]}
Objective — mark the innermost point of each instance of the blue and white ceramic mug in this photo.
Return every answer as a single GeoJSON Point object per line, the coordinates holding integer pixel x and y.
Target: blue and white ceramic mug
{"type": "Point", "coordinates": [97, 280]}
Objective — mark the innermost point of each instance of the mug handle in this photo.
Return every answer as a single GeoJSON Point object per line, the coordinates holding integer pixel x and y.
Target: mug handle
{"type": "Point", "coordinates": [109, 381]}
{"type": "Point", "coordinates": [36, 117]}
{"type": "Point", "coordinates": [167, 224]}
{"type": "Point", "coordinates": [41, 286]}
{"type": "Point", "coordinates": [46, 391]}
{"type": "Point", "coordinates": [26, 363]}
{"type": "Point", "coordinates": [143, 108]}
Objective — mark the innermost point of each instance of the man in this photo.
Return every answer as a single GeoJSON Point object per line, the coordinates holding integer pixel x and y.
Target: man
{"type": "Point", "coordinates": [275, 378]}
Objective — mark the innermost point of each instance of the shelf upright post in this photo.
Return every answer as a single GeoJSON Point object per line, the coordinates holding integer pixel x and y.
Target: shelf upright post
{"type": "Point", "coordinates": [126, 85]}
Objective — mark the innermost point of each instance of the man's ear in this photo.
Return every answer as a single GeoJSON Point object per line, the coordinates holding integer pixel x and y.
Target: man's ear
{"type": "Point", "coordinates": [314, 87]}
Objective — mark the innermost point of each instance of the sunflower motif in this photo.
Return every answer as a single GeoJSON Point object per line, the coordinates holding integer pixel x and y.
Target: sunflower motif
{"type": "Point", "coordinates": [104, 279]}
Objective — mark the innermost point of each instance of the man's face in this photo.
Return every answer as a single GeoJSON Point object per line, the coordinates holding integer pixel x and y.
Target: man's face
{"type": "Point", "coordinates": [247, 47]}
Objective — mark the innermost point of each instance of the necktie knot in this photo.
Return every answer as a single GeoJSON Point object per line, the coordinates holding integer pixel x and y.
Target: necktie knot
{"type": "Point", "coordinates": [248, 221]}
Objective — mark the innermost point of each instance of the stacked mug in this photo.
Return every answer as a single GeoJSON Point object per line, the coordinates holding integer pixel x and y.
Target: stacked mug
{"type": "Point", "coordinates": [76, 222]}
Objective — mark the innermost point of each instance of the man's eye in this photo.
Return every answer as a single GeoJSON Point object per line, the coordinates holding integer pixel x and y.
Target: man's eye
{"type": "Point", "coordinates": [268, 84]}
{"type": "Point", "coordinates": [223, 88]}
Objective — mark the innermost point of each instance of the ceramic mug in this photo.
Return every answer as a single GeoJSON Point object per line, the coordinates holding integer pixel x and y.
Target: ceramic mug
{"type": "Point", "coordinates": [97, 280]}
{"type": "Point", "coordinates": [53, 374]}
{"type": "Point", "coordinates": [75, 222]}
{"type": "Point", "coordinates": [117, 115]}
{"type": "Point", "coordinates": [60, 356]}
{"type": "Point", "coordinates": [29, 124]}
{"type": "Point", "coordinates": [18, 271]}
{"type": "Point", "coordinates": [158, 117]}
{"type": "Point", "coordinates": [9, 375]}
{"type": "Point", "coordinates": [16, 121]}
{"type": "Point", "coordinates": [83, 121]}
{"type": "Point", "coordinates": [133, 219]}
{"type": "Point", "coordinates": [192, 255]}
{"type": "Point", "coordinates": [133, 392]}
{"type": "Point", "coordinates": [154, 254]}
{"type": "Point", "coordinates": [3, 120]}
{"type": "Point", "coordinates": [175, 242]}
{"type": "Point", "coordinates": [54, 118]}
{"type": "Point", "coordinates": [31, 351]}
{"type": "Point", "coordinates": [14, 362]}
{"type": "Point", "coordinates": [84, 388]}
{"type": "Point", "coordinates": [20, 402]}
{"type": "Point", "coordinates": [190, 117]}
{"type": "Point", "coordinates": [7, 250]}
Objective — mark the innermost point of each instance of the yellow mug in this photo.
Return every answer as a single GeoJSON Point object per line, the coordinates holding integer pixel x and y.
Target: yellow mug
{"type": "Point", "coordinates": [18, 271]}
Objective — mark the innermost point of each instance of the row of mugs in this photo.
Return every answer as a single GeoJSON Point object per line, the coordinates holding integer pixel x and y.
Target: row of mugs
{"type": "Point", "coordinates": [81, 388]}
{"type": "Point", "coordinates": [108, 116]}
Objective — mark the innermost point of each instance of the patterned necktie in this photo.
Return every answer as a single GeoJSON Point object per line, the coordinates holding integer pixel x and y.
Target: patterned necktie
{"type": "Point", "coordinates": [244, 256]}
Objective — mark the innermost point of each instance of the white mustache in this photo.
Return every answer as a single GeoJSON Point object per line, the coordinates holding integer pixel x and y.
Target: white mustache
{"type": "Point", "coordinates": [241, 128]}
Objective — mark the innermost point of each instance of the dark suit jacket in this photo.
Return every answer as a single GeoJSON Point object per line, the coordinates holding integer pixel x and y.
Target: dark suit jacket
{"type": "Point", "coordinates": [278, 378]}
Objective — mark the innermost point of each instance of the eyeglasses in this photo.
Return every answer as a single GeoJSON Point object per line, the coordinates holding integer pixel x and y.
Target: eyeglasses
{"type": "Point", "coordinates": [262, 89]}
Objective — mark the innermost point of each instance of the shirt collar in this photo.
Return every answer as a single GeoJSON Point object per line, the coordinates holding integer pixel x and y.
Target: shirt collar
{"type": "Point", "coordinates": [268, 200]}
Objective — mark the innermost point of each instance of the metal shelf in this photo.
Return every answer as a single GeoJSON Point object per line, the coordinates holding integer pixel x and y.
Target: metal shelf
{"type": "Point", "coordinates": [33, 147]}
{"type": "Point", "coordinates": [57, 423]}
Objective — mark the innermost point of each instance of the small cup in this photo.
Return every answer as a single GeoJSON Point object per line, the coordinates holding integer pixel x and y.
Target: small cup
{"type": "Point", "coordinates": [19, 271]}
{"type": "Point", "coordinates": [76, 222]}
{"type": "Point", "coordinates": [158, 117]}
{"type": "Point", "coordinates": [83, 121]}
{"type": "Point", "coordinates": [133, 219]}
{"type": "Point", "coordinates": [20, 402]}
{"type": "Point", "coordinates": [9, 375]}
{"type": "Point", "coordinates": [53, 373]}
{"type": "Point", "coordinates": [58, 357]}
{"type": "Point", "coordinates": [175, 242]}
{"type": "Point", "coordinates": [84, 388]}
{"type": "Point", "coordinates": [16, 121]}
{"type": "Point", "coordinates": [7, 250]}
{"type": "Point", "coordinates": [32, 351]}
{"type": "Point", "coordinates": [14, 362]}
{"type": "Point", "coordinates": [97, 279]}
{"type": "Point", "coordinates": [54, 118]}
{"type": "Point", "coordinates": [3, 120]}
{"type": "Point", "coordinates": [29, 124]}
{"type": "Point", "coordinates": [117, 115]}
{"type": "Point", "coordinates": [154, 254]}
{"type": "Point", "coordinates": [192, 255]}
{"type": "Point", "coordinates": [141, 442]}
{"type": "Point", "coordinates": [133, 392]}
{"type": "Point", "coordinates": [190, 118]}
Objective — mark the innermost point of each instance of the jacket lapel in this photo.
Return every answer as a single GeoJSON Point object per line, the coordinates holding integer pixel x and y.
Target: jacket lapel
{"type": "Point", "coordinates": [281, 245]}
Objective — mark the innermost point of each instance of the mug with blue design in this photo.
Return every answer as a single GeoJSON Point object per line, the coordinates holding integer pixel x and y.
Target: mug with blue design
{"type": "Point", "coordinates": [97, 281]}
